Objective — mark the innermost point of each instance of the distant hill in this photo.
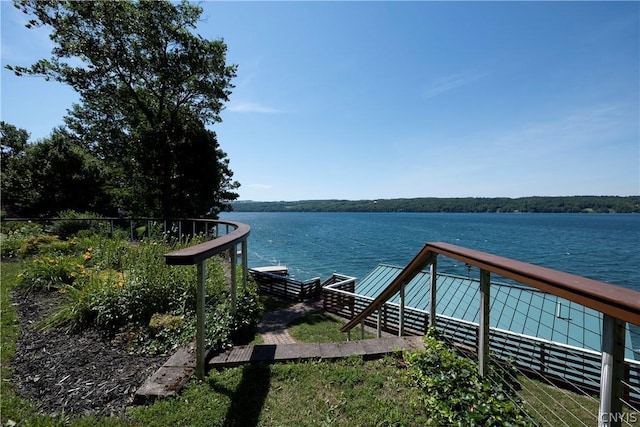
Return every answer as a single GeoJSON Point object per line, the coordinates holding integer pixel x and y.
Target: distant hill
{"type": "Point", "coordinates": [568, 204]}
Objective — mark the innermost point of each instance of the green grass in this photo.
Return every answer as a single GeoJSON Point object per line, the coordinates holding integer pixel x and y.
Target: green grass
{"type": "Point", "coordinates": [544, 400]}
{"type": "Point", "coordinates": [320, 327]}
{"type": "Point", "coordinates": [346, 393]}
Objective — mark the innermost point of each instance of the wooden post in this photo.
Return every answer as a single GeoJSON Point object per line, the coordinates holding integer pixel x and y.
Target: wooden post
{"type": "Point", "coordinates": [200, 320]}
{"type": "Point", "coordinates": [432, 292]}
{"type": "Point", "coordinates": [385, 318]}
{"type": "Point", "coordinates": [379, 323]}
{"type": "Point", "coordinates": [483, 332]}
{"type": "Point", "coordinates": [611, 387]}
{"type": "Point", "coordinates": [245, 263]}
{"type": "Point", "coordinates": [401, 314]}
{"type": "Point", "coordinates": [362, 330]}
{"type": "Point", "coordinates": [234, 285]}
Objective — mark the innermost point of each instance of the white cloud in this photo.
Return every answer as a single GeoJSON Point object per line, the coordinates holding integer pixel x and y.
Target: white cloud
{"type": "Point", "coordinates": [252, 107]}
{"type": "Point", "coordinates": [453, 81]}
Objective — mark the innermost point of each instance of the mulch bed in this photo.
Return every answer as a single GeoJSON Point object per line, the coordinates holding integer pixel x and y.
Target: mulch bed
{"type": "Point", "coordinates": [78, 373]}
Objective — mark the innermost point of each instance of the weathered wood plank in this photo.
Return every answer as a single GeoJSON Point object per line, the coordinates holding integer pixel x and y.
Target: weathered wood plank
{"type": "Point", "coordinates": [368, 349]}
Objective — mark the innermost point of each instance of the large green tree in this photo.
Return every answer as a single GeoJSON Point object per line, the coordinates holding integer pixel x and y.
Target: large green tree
{"type": "Point", "coordinates": [51, 175]}
{"type": "Point", "coordinates": [15, 183]}
{"type": "Point", "coordinates": [149, 88]}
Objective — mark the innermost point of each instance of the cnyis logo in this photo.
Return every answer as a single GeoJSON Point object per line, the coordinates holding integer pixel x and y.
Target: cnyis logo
{"type": "Point", "coordinates": [620, 417]}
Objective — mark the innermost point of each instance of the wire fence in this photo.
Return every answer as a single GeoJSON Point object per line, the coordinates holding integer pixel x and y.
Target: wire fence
{"type": "Point", "coordinates": [547, 349]}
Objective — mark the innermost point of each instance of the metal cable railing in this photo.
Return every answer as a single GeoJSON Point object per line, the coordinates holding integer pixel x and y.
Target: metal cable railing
{"type": "Point", "coordinates": [546, 350]}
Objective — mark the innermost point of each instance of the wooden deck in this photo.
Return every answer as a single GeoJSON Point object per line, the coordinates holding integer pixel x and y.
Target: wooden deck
{"type": "Point", "coordinates": [273, 353]}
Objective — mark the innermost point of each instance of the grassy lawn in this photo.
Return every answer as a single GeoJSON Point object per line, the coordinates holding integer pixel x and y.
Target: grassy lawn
{"type": "Point", "coordinates": [544, 402]}
{"type": "Point", "coordinates": [345, 393]}
{"type": "Point", "coordinates": [321, 327]}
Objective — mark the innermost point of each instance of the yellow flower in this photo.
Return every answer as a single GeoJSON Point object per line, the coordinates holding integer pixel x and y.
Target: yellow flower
{"type": "Point", "coordinates": [20, 275]}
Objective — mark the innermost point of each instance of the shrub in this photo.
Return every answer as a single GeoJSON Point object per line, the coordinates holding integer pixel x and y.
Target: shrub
{"type": "Point", "coordinates": [248, 313]}
{"type": "Point", "coordinates": [52, 272]}
{"type": "Point", "coordinates": [453, 392]}
{"type": "Point", "coordinates": [14, 235]}
{"type": "Point", "coordinates": [76, 224]}
{"type": "Point", "coordinates": [33, 245]}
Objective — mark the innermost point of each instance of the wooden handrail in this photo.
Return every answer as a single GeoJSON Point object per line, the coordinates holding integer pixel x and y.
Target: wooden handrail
{"type": "Point", "coordinates": [419, 262]}
{"type": "Point", "coordinates": [195, 254]}
{"type": "Point", "coordinates": [616, 301]}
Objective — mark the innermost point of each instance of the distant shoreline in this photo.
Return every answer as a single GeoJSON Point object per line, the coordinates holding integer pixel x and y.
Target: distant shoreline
{"type": "Point", "coordinates": [542, 204]}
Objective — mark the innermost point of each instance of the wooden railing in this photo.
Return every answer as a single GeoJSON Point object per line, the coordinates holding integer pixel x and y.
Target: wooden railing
{"type": "Point", "coordinates": [617, 305]}
{"type": "Point", "coordinates": [198, 255]}
{"type": "Point", "coordinates": [287, 287]}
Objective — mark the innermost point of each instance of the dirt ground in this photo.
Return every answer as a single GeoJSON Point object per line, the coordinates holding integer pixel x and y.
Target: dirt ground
{"type": "Point", "coordinates": [78, 373]}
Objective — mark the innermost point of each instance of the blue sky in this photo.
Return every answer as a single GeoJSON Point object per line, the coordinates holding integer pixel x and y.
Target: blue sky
{"type": "Point", "coordinates": [373, 100]}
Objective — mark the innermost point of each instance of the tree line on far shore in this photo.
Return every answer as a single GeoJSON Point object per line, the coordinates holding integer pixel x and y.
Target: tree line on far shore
{"type": "Point", "coordinates": [563, 204]}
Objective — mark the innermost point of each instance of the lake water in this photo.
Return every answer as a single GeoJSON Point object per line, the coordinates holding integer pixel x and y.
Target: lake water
{"type": "Point", "coordinates": [604, 247]}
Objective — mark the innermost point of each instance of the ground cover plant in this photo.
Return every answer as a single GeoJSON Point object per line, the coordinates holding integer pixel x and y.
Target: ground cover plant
{"type": "Point", "coordinates": [454, 393]}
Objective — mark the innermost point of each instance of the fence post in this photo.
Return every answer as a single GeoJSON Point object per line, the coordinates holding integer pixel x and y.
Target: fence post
{"type": "Point", "coordinates": [401, 314]}
{"type": "Point", "coordinates": [234, 285]}
{"type": "Point", "coordinates": [483, 332]}
{"type": "Point", "coordinates": [432, 292]}
{"type": "Point", "coordinates": [379, 323]}
{"type": "Point", "coordinates": [245, 263]}
{"type": "Point", "coordinates": [611, 386]}
{"type": "Point", "coordinates": [200, 320]}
